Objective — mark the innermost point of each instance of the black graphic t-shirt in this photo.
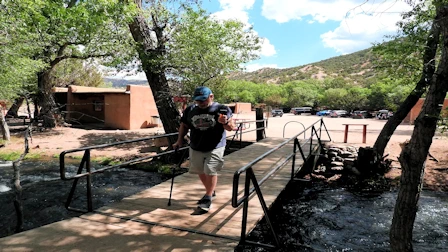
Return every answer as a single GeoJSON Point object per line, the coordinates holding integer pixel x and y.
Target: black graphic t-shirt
{"type": "Point", "coordinates": [206, 133]}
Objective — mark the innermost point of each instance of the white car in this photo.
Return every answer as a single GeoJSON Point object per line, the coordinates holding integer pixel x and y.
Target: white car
{"type": "Point", "coordinates": [338, 113]}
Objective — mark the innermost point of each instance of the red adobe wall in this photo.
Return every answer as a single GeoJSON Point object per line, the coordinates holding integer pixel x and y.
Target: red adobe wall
{"type": "Point", "coordinates": [117, 107]}
{"type": "Point", "coordinates": [242, 107]}
{"type": "Point", "coordinates": [84, 106]}
{"type": "Point", "coordinates": [412, 115]}
{"type": "Point", "coordinates": [143, 107]}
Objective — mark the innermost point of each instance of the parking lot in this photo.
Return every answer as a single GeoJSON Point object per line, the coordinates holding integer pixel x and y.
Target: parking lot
{"type": "Point", "coordinates": [289, 125]}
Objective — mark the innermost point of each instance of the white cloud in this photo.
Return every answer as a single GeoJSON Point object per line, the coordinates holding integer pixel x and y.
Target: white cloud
{"type": "Point", "coordinates": [236, 4]}
{"type": "Point", "coordinates": [319, 10]}
{"type": "Point", "coordinates": [267, 49]}
{"type": "Point", "coordinates": [237, 9]}
{"type": "Point", "coordinates": [361, 22]}
{"type": "Point", "coordinates": [256, 66]}
{"type": "Point", "coordinates": [234, 14]}
{"type": "Point", "coordinates": [359, 31]}
{"type": "Point", "coordinates": [130, 73]}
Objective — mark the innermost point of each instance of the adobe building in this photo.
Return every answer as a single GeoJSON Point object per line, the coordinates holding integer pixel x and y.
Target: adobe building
{"type": "Point", "coordinates": [415, 111]}
{"type": "Point", "coordinates": [240, 107]}
{"type": "Point", "coordinates": [128, 109]}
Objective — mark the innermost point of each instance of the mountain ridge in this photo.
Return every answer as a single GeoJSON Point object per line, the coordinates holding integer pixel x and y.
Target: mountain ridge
{"type": "Point", "coordinates": [355, 67]}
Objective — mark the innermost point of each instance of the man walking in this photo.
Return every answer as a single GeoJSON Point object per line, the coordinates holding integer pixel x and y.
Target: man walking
{"type": "Point", "coordinates": [207, 121]}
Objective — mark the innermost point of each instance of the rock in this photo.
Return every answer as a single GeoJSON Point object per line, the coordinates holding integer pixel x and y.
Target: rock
{"type": "Point", "coordinates": [351, 149]}
{"type": "Point", "coordinates": [336, 150]}
{"type": "Point", "coordinates": [337, 168]}
{"type": "Point", "coordinates": [320, 169]}
{"type": "Point", "coordinates": [332, 154]}
{"type": "Point", "coordinates": [349, 161]}
{"type": "Point", "coordinates": [346, 154]}
{"type": "Point", "coordinates": [334, 178]}
{"type": "Point", "coordinates": [335, 163]}
{"type": "Point", "coordinates": [321, 177]}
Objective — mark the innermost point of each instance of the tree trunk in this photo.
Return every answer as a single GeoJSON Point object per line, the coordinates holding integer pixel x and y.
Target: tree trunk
{"type": "Point", "coordinates": [45, 99]}
{"type": "Point", "coordinates": [16, 181]}
{"type": "Point", "coordinates": [401, 113]}
{"type": "Point", "coordinates": [13, 111]}
{"type": "Point", "coordinates": [5, 129]}
{"type": "Point", "coordinates": [18, 206]}
{"type": "Point", "coordinates": [413, 155]}
{"type": "Point", "coordinates": [151, 53]}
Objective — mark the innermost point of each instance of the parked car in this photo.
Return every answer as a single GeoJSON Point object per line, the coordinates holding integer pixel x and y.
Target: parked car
{"type": "Point", "coordinates": [323, 113]}
{"type": "Point", "coordinates": [360, 114]}
{"type": "Point", "coordinates": [383, 114]}
{"type": "Point", "coordinates": [277, 112]}
{"type": "Point", "coordinates": [339, 113]}
{"type": "Point", "coordinates": [301, 110]}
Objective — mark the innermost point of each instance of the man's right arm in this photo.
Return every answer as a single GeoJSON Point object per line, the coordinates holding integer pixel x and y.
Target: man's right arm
{"type": "Point", "coordinates": [183, 130]}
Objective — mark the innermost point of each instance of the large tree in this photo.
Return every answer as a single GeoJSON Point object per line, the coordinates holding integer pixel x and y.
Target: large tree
{"type": "Point", "coordinates": [76, 72]}
{"type": "Point", "coordinates": [17, 67]}
{"type": "Point", "coordinates": [70, 29]}
{"type": "Point", "coordinates": [414, 154]}
{"type": "Point", "coordinates": [189, 47]}
{"type": "Point", "coordinates": [405, 57]}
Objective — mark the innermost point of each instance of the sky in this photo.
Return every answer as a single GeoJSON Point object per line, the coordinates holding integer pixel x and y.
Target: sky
{"type": "Point", "coordinates": [300, 32]}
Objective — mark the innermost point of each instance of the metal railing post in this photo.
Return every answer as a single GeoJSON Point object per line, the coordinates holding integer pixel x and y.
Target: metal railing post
{"type": "Point", "coordinates": [89, 182]}
{"type": "Point", "coordinates": [320, 127]}
{"type": "Point", "coordinates": [245, 209]}
{"type": "Point", "coordinates": [75, 181]}
{"type": "Point", "coordinates": [294, 150]}
{"type": "Point", "coordinates": [241, 134]}
{"type": "Point", "coordinates": [251, 175]}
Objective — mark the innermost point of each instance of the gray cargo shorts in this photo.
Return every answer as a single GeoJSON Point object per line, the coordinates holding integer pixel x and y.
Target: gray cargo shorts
{"type": "Point", "coordinates": [209, 163]}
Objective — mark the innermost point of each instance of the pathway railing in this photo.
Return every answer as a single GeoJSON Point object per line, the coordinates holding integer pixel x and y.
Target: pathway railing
{"type": "Point", "coordinates": [316, 133]}
{"type": "Point", "coordinates": [86, 162]}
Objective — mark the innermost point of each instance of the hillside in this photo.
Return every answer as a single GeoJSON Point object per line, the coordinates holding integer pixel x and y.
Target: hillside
{"type": "Point", "coordinates": [123, 83]}
{"type": "Point", "coordinates": [355, 67]}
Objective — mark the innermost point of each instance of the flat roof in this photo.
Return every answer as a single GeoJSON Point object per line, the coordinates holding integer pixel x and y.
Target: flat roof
{"type": "Point", "coordinates": [81, 89]}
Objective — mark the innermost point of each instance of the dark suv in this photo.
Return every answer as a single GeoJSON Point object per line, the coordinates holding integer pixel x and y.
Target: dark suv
{"type": "Point", "coordinates": [277, 112]}
{"type": "Point", "coordinates": [361, 114]}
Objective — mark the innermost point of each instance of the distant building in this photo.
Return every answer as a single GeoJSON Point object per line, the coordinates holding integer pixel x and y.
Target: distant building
{"type": "Point", "coordinates": [240, 107]}
{"type": "Point", "coordinates": [415, 111]}
{"type": "Point", "coordinates": [130, 108]}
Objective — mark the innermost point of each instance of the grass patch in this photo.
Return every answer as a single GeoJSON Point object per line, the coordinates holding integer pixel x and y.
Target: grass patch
{"type": "Point", "coordinates": [154, 166]}
{"type": "Point", "coordinates": [14, 155]}
{"type": "Point", "coordinates": [9, 156]}
{"type": "Point", "coordinates": [105, 160]}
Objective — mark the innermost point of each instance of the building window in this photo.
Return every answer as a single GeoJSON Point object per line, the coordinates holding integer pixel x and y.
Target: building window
{"type": "Point", "coordinates": [97, 106]}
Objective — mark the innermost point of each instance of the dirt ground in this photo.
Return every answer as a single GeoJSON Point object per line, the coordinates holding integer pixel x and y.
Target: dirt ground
{"type": "Point", "coordinates": [52, 143]}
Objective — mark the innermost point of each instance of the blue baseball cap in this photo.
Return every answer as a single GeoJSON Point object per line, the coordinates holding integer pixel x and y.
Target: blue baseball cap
{"type": "Point", "coordinates": [201, 93]}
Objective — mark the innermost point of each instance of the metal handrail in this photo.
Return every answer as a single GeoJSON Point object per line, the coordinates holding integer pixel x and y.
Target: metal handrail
{"type": "Point", "coordinates": [240, 130]}
{"type": "Point", "coordinates": [250, 177]}
{"type": "Point", "coordinates": [102, 146]}
{"type": "Point", "coordinates": [86, 162]}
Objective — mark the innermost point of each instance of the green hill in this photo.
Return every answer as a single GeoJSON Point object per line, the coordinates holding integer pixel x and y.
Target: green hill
{"type": "Point", "coordinates": [355, 67]}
